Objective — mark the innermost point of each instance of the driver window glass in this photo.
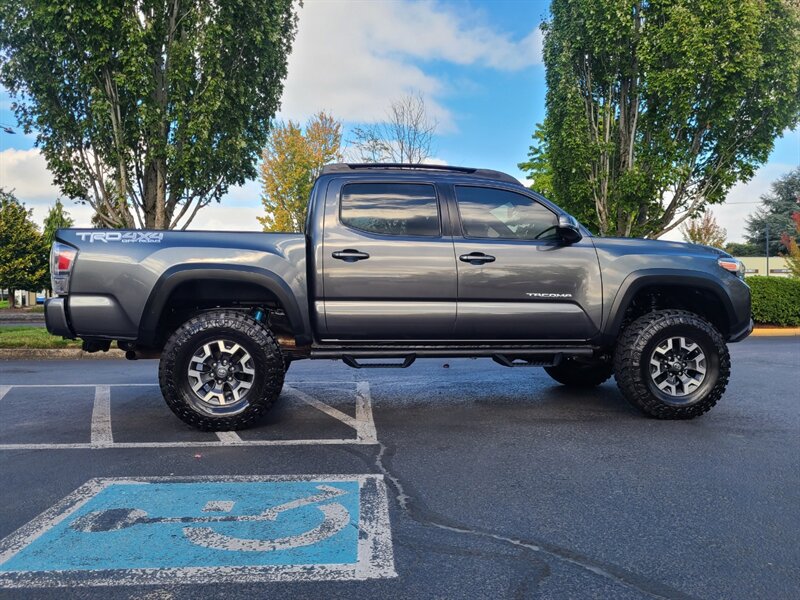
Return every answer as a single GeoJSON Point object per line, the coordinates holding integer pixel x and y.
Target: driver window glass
{"type": "Point", "coordinates": [500, 214]}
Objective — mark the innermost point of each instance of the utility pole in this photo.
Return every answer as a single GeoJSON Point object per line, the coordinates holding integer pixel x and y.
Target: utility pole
{"type": "Point", "coordinates": [766, 223]}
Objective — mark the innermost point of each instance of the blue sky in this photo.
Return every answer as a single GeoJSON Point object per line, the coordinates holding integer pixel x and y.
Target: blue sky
{"type": "Point", "coordinates": [478, 65]}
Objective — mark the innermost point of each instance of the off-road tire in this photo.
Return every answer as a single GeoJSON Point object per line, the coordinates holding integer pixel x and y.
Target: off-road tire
{"type": "Point", "coordinates": [573, 373]}
{"type": "Point", "coordinates": [632, 363]}
{"type": "Point", "coordinates": [240, 328]}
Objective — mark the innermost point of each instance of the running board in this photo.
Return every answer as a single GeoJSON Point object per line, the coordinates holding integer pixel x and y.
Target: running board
{"type": "Point", "coordinates": [507, 355]}
{"type": "Point", "coordinates": [527, 361]}
{"type": "Point", "coordinates": [351, 361]}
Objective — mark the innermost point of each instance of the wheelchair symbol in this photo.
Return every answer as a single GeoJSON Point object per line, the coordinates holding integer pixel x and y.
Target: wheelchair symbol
{"type": "Point", "coordinates": [336, 518]}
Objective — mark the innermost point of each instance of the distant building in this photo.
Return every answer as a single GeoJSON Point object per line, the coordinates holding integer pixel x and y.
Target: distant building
{"type": "Point", "coordinates": [757, 265]}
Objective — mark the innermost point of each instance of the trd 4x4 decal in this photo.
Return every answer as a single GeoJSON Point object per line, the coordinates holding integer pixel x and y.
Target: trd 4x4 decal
{"type": "Point", "coordinates": [125, 237]}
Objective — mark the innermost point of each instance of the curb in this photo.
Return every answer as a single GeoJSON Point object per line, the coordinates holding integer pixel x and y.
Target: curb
{"type": "Point", "coordinates": [776, 332]}
{"type": "Point", "coordinates": [57, 354]}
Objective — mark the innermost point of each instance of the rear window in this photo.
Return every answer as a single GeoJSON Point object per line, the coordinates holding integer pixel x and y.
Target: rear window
{"type": "Point", "coordinates": [391, 208]}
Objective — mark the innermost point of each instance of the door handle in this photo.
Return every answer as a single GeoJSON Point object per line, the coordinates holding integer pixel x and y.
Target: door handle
{"type": "Point", "coordinates": [350, 255]}
{"type": "Point", "coordinates": [476, 258]}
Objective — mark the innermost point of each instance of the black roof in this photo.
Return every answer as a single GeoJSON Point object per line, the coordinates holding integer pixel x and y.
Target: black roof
{"type": "Point", "coordinates": [483, 173]}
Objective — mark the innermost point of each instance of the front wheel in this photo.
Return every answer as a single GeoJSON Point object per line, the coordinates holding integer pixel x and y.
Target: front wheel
{"type": "Point", "coordinates": [672, 364]}
{"type": "Point", "coordinates": [221, 371]}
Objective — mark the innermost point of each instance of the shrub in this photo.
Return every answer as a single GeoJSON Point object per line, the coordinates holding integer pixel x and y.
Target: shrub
{"type": "Point", "coordinates": [776, 300]}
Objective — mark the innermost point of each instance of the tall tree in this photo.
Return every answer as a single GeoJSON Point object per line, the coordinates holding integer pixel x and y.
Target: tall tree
{"type": "Point", "coordinates": [146, 109]}
{"type": "Point", "coordinates": [776, 211]}
{"type": "Point", "coordinates": [405, 136]}
{"type": "Point", "coordinates": [292, 160]}
{"type": "Point", "coordinates": [57, 218]}
{"type": "Point", "coordinates": [23, 253]}
{"type": "Point", "coordinates": [656, 108]}
{"type": "Point", "coordinates": [704, 230]}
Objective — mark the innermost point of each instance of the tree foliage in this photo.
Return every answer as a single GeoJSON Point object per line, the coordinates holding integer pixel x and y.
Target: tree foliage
{"type": "Point", "coordinates": [292, 160]}
{"type": "Point", "coordinates": [405, 136]}
{"type": "Point", "coordinates": [146, 109]}
{"type": "Point", "coordinates": [656, 108]}
{"type": "Point", "coordinates": [704, 230]}
{"type": "Point", "coordinates": [792, 255]}
{"type": "Point", "coordinates": [23, 252]}
{"type": "Point", "coordinates": [776, 211]}
{"type": "Point", "coordinates": [57, 218]}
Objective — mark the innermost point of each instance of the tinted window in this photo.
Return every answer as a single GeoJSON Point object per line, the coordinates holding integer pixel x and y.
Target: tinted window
{"type": "Point", "coordinates": [493, 213]}
{"type": "Point", "coordinates": [391, 208]}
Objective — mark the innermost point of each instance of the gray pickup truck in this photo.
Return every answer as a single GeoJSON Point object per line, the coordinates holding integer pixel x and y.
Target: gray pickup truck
{"type": "Point", "coordinates": [399, 263]}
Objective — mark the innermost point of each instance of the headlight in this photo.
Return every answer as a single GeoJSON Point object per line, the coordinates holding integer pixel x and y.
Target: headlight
{"type": "Point", "coordinates": [733, 265]}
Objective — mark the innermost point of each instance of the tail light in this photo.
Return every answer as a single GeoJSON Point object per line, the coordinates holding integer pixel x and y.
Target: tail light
{"type": "Point", "coordinates": [62, 257]}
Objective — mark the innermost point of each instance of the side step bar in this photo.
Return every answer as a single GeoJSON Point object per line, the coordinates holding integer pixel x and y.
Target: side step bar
{"type": "Point", "coordinates": [508, 356]}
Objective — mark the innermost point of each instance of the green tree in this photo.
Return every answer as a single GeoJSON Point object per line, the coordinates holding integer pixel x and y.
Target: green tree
{"type": "Point", "coordinates": [776, 210]}
{"type": "Point", "coordinates": [292, 160]}
{"type": "Point", "coordinates": [146, 109]}
{"type": "Point", "coordinates": [57, 218]}
{"type": "Point", "coordinates": [23, 254]}
{"type": "Point", "coordinates": [656, 108]}
{"type": "Point", "coordinates": [705, 231]}
{"type": "Point", "coordinates": [738, 249]}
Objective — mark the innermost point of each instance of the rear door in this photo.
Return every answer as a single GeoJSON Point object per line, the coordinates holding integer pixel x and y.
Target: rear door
{"type": "Point", "coordinates": [389, 273]}
{"type": "Point", "coordinates": [516, 279]}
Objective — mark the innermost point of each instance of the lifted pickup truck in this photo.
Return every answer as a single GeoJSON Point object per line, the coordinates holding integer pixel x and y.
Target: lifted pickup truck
{"type": "Point", "coordinates": [399, 263]}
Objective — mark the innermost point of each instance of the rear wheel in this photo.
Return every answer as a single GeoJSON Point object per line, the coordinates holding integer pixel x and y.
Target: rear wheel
{"type": "Point", "coordinates": [573, 373]}
{"type": "Point", "coordinates": [221, 371]}
{"type": "Point", "coordinates": [672, 364]}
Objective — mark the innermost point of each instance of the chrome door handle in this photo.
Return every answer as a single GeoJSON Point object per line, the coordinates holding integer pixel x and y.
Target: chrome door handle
{"type": "Point", "coordinates": [476, 258]}
{"type": "Point", "coordinates": [350, 255]}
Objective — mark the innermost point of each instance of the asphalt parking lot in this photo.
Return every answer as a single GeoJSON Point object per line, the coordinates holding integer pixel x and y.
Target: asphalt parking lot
{"type": "Point", "coordinates": [495, 482]}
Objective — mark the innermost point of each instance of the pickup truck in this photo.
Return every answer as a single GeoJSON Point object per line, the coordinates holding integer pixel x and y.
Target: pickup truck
{"type": "Point", "coordinates": [400, 262]}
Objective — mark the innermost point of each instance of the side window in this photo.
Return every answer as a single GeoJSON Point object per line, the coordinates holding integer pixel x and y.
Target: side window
{"type": "Point", "coordinates": [494, 213]}
{"type": "Point", "coordinates": [391, 208]}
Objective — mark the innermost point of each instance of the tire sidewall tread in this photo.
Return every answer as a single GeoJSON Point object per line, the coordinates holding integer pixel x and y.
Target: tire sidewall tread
{"type": "Point", "coordinates": [632, 350]}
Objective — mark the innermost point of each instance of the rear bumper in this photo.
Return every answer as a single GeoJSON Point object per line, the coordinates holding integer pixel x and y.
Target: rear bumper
{"type": "Point", "coordinates": [743, 332]}
{"type": "Point", "coordinates": [55, 317]}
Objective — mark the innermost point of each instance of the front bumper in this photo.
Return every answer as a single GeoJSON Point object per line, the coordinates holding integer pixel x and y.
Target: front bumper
{"type": "Point", "coordinates": [738, 336]}
{"type": "Point", "coordinates": [55, 318]}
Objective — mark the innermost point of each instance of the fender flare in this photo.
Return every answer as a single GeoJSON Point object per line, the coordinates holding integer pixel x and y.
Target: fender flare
{"type": "Point", "coordinates": [638, 280]}
{"type": "Point", "coordinates": [175, 276]}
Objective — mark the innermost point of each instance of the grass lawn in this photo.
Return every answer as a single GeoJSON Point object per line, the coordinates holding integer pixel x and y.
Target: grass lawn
{"type": "Point", "coordinates": [32, 337]}
{"type": "Point", "coordinates": [3, 304]}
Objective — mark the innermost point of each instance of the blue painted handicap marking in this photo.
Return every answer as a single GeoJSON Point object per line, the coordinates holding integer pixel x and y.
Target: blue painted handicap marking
{"type": "Point", "coordinates": [203, 530]}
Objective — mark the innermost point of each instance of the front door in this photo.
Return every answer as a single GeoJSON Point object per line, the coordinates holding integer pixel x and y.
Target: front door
{"type": "Point", "coordinates": [389, 273]}
{"type": "Point", "coordinates": [516, 279]}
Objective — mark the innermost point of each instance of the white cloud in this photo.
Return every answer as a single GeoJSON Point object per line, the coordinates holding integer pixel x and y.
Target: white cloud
{"type": "Point", "coordinates": [354, 58]}
{"type": "Point", "coordinates": [25, 172]}
{"type": "Point", "coordinates": [743, 199]}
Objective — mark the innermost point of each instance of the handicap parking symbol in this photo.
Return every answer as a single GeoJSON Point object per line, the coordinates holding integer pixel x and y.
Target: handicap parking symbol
{"type": "Point", "coordinates": [206, 530]}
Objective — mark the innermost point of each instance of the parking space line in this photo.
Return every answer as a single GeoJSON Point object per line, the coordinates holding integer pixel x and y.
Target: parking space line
{"type": "Point", "coordinates": [102, 437]}
{"type": "Point", "coordinates": [322, 407]}
{"type": "Point", "coordinates": [101, 417]}
{"type": "Point", "coordinates": [229, 437]}
{"type": "Point", "coordinates": [366, 423]}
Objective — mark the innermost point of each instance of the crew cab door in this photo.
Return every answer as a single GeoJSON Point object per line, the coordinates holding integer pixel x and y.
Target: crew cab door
{"type": "Point", "coordinates": [389, 273]}
{"type": "Point", "coordinates": [516, 279]}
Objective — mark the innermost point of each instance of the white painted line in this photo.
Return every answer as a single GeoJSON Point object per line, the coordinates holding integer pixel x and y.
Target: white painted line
{"type": "Point", "coordinates": [321, 406]}
{"type": "Point", "coordinates": [229, 438]}
{"type": "Point", "coordinates": [375, 556]}
{"type": "Point", "coordinates": [208, 444]}
{"type": "Point", "coordinates": [74, 385]}
{"type": "Point", "coordinates": [218, 506]}
{"type": "Point", "coordinates": [366, 423]}
{"type": "Point", "coordinates": [4, 389]}
{"type": "Point", "coordinates": [101, 417]}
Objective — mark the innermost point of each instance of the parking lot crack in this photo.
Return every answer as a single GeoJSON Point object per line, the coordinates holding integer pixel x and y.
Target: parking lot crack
{"type": "Point", "coordinates": [420, 513]}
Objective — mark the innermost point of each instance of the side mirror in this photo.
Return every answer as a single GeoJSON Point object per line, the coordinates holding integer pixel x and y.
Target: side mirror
{"type": "Point", "coordinates": [568, 229]}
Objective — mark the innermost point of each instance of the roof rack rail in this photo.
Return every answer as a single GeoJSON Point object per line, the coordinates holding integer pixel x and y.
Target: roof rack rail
{"type": "Point", "coordinates": [484, 173]}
